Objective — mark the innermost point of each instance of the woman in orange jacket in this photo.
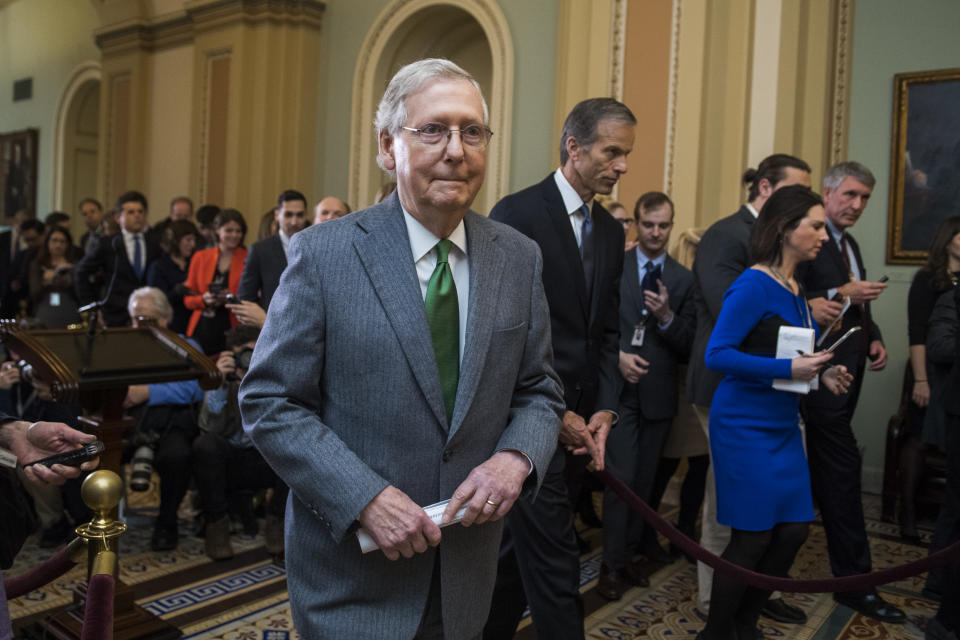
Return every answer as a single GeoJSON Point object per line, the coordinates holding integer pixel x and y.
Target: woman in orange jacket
{"type": "Point", "coordinates": [215, 273]}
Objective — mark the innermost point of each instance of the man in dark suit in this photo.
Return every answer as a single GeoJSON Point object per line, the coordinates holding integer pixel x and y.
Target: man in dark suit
{"type": "Point", "coordinates": [92, 212]}
{"type": "Point", "coordinates": [657, 319]}
{"type": "Point", "coordinates": [122, 260]}
{"type": "Point", "coordinates": [181, 208]}
{"type": "Point", "coordinates": [722, 255]}
{"type": "Point", "coordinates": [29, 240]}
{"type": "Point", "coordinates": [268, 258]}
{"type": "Point", "coordinates": [835, 465]}
{"type": "Point", "coordinates": [582, 247]}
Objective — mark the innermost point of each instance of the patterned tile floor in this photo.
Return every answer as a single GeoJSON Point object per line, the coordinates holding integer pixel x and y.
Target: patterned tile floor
{"type": "Point", "coordinates": [248, 601]}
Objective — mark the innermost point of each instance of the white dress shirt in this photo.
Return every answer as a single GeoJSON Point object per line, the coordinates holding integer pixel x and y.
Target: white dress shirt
{"type": "Point", "coordinates": [284, 242]}
{"type": "Point", "coordinates": [422, 243]}
{"type": "Point", "coordinates": [572, 203]}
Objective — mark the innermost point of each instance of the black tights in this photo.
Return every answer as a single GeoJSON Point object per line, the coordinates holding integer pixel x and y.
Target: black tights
{"type": "Point", "coordinates": [735, 607]}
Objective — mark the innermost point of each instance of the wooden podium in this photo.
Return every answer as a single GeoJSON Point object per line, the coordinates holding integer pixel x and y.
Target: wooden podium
{"type": "Point", "coordinates": [94, 371]}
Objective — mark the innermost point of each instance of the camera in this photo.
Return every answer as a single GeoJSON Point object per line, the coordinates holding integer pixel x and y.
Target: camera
{"type": "Point", "coordinates": [241, 360]}
{"type": "Point", "coordinates": [141, 468]}
{"type": "Point", "coordinates": [26, 371]}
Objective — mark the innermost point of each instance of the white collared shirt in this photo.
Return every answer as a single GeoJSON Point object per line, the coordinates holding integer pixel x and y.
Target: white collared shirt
{"type": "Point", "coordinates": [756, 214]}
{"type": "Point", "coordinates": [284, 242]}
{"type": "Point", "coordinates": [128, 242]}
{"type": "Point", "coordinates": [572, 203]}
{"type": "Point", "coordinates": [422, 242]}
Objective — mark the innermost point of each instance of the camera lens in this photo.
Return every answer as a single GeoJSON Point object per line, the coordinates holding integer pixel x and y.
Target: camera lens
{"type": "Point", "coordinates": [141, 469]}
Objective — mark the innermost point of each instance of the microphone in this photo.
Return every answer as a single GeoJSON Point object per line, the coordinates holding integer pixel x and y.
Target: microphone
{"type": "Point", "coordinates": [94, 306]}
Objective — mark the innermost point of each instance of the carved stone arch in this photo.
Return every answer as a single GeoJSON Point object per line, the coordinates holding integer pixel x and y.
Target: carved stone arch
{"type": "Point", "coordinates": [387, 40]}
{"type": "Point", "coordinates": [78, 104]}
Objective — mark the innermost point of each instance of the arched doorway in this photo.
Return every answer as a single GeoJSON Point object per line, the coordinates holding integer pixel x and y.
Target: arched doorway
{"type": "Point", "coordinates": [472, 33]}
{"type": "Point", "coordinates": [76, 143]}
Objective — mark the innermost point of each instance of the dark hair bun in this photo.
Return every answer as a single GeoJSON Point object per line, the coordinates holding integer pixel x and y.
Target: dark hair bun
{"type": "Point", "coordinates": [749, 176]}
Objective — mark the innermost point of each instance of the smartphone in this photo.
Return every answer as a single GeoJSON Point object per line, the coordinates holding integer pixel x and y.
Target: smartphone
{"type": "Point", "coordinates": [842, 338]}
{"type": "Point", "coordinates": [232, 299]}
{"type": "Point", "coordinates": [73, 458]}
{"type": "Point", "coordinates": [883, 279]}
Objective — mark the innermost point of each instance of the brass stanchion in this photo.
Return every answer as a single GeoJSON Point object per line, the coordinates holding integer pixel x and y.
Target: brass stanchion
{"type": "Point", "coordinates": [101, 491]}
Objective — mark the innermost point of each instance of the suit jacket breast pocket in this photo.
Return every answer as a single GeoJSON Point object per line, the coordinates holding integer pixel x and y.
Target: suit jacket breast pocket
{"type": "Point", "coordinates": [506, 348]}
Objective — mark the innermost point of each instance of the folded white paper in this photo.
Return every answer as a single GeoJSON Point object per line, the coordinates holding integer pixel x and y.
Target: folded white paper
{"type": "Point", "coordinates": [790, 341]}
{"type": "Point", "coordinates": [434, 512]}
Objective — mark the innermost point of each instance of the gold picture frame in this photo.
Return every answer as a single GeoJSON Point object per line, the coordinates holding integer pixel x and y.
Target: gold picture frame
{"type": "Point", "coordinates": [18, 173]}
{"type": "Point", "coordinates": [924, 161]}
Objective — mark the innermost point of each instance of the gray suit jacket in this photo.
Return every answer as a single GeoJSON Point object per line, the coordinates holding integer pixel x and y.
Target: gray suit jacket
{"type": "Point", "coordinates": [664, 349]}
{"type": "Point", "coordinates": [343, 398]}
{"type": "Point", "coordinates": [262, 270]}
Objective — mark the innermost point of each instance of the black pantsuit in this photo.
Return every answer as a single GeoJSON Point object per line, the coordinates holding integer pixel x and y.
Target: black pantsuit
{"type": "Point", "coordinates": [832, 451]}
{"type": "Point", "coordinates": [540, 547]}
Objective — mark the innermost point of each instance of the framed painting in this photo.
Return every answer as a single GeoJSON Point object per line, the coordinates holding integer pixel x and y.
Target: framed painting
{"type": "Point", "coordinates": [18, 173]}
{"type": "Point", "coordinates": [924, 161]}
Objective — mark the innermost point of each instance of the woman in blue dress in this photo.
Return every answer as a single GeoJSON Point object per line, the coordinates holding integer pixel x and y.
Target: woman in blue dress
{"type": "Point", "coordinates": [763, 485]}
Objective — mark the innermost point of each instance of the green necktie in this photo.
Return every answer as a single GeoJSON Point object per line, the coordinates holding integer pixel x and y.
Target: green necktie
{"type": "Point", "coordinates": [443, 315]}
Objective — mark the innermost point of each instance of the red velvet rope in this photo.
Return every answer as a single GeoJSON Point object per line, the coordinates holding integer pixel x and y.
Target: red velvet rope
{"type": "Point", "coordinates": [98, 615]}
{"type": "Point", "coordinates": [847, 583]}
{"type": "Point", "coordinates": [55, 566]}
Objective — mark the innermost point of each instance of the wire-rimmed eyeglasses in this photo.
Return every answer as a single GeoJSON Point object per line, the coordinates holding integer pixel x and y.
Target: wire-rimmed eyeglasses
{"type": "Point", "coordinates": [473, 135]}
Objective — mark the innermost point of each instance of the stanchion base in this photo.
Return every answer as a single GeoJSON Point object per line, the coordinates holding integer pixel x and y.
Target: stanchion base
{"type": "Point", "coordinates": [130, 621]}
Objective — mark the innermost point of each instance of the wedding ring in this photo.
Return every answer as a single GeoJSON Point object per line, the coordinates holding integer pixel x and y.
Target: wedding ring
{"type": "Point", "coordinates": [493, 504]}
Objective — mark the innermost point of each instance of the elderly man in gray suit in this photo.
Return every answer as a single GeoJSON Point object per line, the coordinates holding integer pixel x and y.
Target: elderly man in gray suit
{"type": "Point", "coordinates": [421, 371]}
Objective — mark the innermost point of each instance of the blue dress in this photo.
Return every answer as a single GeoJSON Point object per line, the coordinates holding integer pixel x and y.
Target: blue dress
{"type": "Point", "coordinates": [758, 458]}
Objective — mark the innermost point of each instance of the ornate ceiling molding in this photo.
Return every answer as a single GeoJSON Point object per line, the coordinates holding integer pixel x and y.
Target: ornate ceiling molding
{"type": "Point", "coordinates": [180, 27]}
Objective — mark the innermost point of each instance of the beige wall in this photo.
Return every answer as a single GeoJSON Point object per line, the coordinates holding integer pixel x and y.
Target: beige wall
{"type": "Point", "coordinates": [46, 40]}
{"type": "Point", "coordinates": [168, 144]}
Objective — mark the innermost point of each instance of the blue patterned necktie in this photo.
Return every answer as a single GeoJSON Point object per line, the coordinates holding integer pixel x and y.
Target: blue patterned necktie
{"type": "Point", "coordinates": [443, 316]}
{"type": "Point", "coordinates": [137, 256]}
{"type": "Point", "coordinates": [650, 277]}
{"type": "Point", "coordinates": [586, 248]}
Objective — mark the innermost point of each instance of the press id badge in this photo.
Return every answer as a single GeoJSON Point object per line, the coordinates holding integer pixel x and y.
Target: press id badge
{"type": "Point", "coordinates": [638, 332]}
{"type": "Point", "coordinates": [54, 299]}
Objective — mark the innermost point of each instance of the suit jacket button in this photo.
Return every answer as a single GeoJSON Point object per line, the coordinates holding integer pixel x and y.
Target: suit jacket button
{"type": "Point", "coordinates": [446, 456]}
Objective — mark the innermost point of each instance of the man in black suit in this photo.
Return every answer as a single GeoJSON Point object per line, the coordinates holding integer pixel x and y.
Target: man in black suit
{"type": "Point", "coordinates": [722, 255]}
{"type": "Point", "coordinates": [834, 457]}
{"type": "Point", "coordinates": [657, 320]}
{"type": "Point", "coordinates": [29, 240]}
{"type": "Point", "coordinates": [582, 247]}
{"type": "Point", "coordinates": [181, 208]}
{"type": "Point", "coordinates": [268, 258]}
{"type": "Point", "coordinates": [122, 260]}
{"type": "Point", "coordinates": [92, 212]}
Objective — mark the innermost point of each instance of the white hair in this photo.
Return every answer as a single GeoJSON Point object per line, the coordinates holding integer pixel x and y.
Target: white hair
{"type": "Point", "coordinates": [392, 111]}
{"type": "Point", "coordinates": [852, 169]}
{"type": "Point", "coordinates": [159, 299]}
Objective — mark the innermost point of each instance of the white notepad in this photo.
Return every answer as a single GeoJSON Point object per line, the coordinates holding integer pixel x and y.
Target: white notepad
{"type": "Point", "coordinates": [434, 512]}
{"type": "Point", "coordinates": [789, 341]}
